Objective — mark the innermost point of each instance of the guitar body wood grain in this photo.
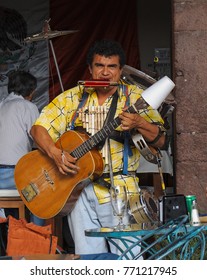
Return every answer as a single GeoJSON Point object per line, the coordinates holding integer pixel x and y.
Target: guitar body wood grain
{"type": "Point", "coordinates": [48, 192]}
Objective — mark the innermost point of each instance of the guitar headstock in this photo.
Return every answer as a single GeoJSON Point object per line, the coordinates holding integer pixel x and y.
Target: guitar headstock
{"type": "Point", "coordinates": [140, 104]}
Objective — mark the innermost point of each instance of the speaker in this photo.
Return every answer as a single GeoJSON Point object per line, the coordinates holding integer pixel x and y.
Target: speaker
{"type": "Point", "coordinates": [172, 207]}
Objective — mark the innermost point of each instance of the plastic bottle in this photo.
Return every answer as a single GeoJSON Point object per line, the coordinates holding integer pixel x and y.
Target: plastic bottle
{"type": "Point", "coordinates": [195, 220]}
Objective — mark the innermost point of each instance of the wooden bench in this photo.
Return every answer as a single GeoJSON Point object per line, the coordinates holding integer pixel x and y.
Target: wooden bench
{"type": "Point", "coordinates": [12, 199]}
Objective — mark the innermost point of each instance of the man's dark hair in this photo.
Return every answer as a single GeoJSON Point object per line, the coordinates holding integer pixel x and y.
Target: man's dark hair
{"type": "Point", "coordinates": [21, 83]}
{"type": "Point", "coordinates": [106, 48]}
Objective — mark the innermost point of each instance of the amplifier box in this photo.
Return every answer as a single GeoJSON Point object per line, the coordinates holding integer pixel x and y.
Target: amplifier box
{"type": "Point", "coordinates": [172, 207]}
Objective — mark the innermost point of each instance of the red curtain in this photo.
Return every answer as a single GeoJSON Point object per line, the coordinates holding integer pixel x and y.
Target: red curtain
{"type": "Point", "coordinates": [94, 20]}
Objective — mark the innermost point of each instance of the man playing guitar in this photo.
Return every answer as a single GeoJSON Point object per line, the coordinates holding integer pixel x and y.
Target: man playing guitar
{"type": "Point", "coordinates": [92, 209]}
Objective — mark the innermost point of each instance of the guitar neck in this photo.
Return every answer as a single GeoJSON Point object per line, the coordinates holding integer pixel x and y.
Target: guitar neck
{"type": "Point", "coordinates": [107, 129]}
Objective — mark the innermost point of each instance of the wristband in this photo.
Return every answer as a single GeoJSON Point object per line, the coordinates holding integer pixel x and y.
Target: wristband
{"type": "Point", "coordinates": [160, 133]}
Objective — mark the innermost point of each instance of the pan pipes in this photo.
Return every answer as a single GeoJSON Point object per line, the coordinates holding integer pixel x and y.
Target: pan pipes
{"type": "Point", "coordinates": [93, 118]}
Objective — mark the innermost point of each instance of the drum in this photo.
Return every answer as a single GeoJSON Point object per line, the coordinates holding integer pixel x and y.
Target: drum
{"type": "Point", "coordinates": [144, 207]}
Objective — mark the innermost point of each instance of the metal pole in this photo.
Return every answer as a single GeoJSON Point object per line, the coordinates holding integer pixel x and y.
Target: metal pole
{"type": "Point", "coordinates": [57, 68]}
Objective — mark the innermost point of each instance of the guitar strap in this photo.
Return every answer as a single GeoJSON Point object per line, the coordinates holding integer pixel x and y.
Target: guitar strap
{"type": "Point", "coordinates": [110, 115]}
{"type": "Point", "coordinates": [127, 136]}
{"type": "Point", "coordinates": [80, 105]}
{"type": "Point", "coordinates": [118, 136]}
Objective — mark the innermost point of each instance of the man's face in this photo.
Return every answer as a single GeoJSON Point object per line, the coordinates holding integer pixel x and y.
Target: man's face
{"type": "Point", "coordinates": [106, 68]}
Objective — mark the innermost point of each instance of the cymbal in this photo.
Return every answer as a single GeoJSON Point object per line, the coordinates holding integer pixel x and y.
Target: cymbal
{"type": "Point", "coordinates": [134, 76]}
{"type": "Point", "coordinates": [48, 35]}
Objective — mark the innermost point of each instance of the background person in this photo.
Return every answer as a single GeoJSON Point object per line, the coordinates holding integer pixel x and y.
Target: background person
{"type": "Point", "coordinates": [18, 114]}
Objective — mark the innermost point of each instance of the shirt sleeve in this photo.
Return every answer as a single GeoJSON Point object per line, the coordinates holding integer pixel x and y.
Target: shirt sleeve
{"type": "Point", "coordinates": [56, 116]}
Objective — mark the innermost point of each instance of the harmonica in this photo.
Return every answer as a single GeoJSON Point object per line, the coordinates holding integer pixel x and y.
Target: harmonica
{"type": "Point", "coordinates": [97, 83]}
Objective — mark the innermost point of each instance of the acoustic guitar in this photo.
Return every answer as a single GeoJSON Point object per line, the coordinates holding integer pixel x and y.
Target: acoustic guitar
{"type": "Point", "coordinates": [44, 190]}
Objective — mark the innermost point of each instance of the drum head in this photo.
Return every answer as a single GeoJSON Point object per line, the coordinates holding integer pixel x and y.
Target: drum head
{"type": "Point", "coordinates": [152, 205]}
{"type": "Point", "coordinates": [144, 207]}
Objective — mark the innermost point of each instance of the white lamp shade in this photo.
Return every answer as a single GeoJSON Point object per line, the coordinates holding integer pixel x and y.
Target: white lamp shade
{"type": "Point", "coordinates": [157, 93]}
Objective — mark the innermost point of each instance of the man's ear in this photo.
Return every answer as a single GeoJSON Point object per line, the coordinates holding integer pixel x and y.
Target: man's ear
{"type": "Point", "coordinates": [29, 97]}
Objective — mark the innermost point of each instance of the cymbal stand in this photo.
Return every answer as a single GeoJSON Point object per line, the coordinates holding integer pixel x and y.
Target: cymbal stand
{"type": "Point", "coordinates": [110, 163]}
{"type": "Point", "coordinates": [56, 65]}
{"type": "Point", "coordinates": [47, 34]}
{"type": "Point", "coordinates": [161, 174]}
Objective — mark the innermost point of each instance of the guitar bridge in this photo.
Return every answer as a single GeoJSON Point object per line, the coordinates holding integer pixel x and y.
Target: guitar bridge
{"type": "Point", "coordinates": [30, 191]}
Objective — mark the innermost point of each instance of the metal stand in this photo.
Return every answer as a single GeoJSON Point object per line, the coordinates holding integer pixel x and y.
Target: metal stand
{"type": "Point", "coordinates": [56, 65]}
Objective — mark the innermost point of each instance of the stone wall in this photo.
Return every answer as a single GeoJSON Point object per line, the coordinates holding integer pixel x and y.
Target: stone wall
{"type": "Point", "coordinates": [190, 76]}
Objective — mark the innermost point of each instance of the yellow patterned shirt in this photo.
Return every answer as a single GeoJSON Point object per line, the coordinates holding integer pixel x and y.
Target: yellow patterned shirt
{"type": "Point", "coordinates": [58, 115]}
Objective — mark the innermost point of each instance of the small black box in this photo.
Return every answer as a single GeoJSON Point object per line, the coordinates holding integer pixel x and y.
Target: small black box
{"type": "Point", "coordinates": [172, 207]}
